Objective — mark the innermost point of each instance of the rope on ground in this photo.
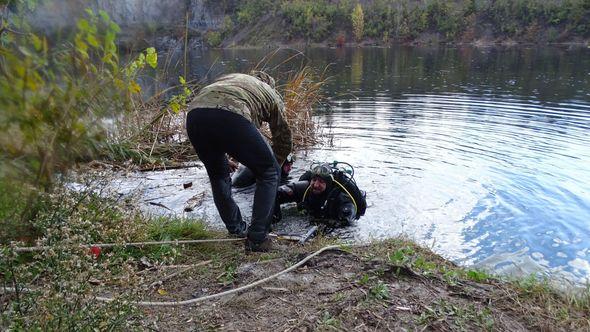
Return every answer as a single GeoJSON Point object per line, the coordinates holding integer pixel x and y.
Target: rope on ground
{"type": "Point", "coordinates": [133, 244]}
{"type": "Point", "coordinates": [204, 298]}
{"type": "Point", "coordinates": [231, 291]}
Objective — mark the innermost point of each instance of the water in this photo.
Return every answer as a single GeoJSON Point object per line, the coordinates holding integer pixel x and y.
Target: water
{"type": "Point", "coordinates": [481, 154]}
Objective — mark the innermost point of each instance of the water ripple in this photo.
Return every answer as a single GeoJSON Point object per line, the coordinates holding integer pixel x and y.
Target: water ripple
{"type": "Point", "coordinates": [482, 176]}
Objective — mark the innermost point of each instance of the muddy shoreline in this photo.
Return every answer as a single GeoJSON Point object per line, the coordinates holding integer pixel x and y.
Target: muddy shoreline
{"type": "Point", "coordinates": [389, 285]}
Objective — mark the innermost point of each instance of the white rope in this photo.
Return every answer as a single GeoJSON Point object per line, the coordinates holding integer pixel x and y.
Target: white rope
{"type": "Point", "coordinates": [231, 291]}
{"type": "Point", "coordinates": [204, 298]}
{"type": "Point", "coordinates": [131, 244]}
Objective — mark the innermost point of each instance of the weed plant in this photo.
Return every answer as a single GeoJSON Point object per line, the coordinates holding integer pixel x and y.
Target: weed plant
{"type": "Point", "coordinates": [71, 100]}
{"type": "Point", "coordinates": [55, 97]}
{"type": "Point", "coordinates": [53, 288]}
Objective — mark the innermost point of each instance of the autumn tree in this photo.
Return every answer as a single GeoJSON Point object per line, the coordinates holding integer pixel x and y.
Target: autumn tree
{"type": "Point", "coordinates": [358, 22]}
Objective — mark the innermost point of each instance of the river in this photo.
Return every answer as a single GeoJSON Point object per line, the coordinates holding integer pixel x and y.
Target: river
{"type": "Point", "coordinates": [482, 154]}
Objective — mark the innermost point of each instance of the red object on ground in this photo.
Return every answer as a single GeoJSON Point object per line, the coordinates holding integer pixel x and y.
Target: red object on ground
{"type": "Point", "coordinates": [95, 251]}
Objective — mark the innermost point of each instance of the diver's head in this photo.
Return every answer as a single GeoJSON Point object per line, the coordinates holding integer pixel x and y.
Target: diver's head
{"type": "Point", "coordinates": [264, 77]}
{"type": "Point", "coordinates": [287, 165]}
{"type": "Point", "coordinates": [318, 185]}
{"type": "Point", "coordinates": [321, 178]}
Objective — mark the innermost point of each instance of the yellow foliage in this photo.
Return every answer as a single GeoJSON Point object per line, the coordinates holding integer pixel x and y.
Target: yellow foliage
{"type": "Point", "coordinates": [358, 22]}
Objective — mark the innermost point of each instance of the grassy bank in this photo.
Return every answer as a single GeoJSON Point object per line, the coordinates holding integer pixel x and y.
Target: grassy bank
{"type": "Point", "coordinates": [384, 285]}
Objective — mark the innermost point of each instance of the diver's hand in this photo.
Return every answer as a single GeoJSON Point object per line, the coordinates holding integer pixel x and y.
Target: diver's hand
{"type": "Point", "coordinates": [233, 165]}
{"type": "Point", "coordinates": [345, 216]}
{"type": "Point", "coordinates": [286, 190]}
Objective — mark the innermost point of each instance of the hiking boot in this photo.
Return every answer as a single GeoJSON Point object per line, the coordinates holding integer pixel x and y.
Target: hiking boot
{"type": "Point", "coordinates": [239, 232]}
{"type": "Point", "coordinates": [264, 246]}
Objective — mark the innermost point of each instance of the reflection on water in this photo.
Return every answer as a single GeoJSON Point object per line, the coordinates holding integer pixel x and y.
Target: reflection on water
{"type": "Point", "coordinates": [473, 176]}
{"type": "Point", "coordinates": [483, 154]}
{"type": "Point", "coordinates": [356, 67]}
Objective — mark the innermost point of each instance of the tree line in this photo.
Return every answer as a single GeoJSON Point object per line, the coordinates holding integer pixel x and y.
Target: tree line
{"type": "Point", "coordinates": [385, 21]}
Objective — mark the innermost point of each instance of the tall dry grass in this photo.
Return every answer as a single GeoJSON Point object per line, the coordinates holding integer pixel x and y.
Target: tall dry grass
{"type": "Point", "coordinates": [152, 135]}
{"type": "Point", "coordinates": [302, 92]}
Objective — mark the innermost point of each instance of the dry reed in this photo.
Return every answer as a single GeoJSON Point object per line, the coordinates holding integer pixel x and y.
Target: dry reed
{"type": "Point", "coordinates": [302, 92]}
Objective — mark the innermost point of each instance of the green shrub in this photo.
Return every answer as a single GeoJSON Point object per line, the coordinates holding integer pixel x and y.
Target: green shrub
{"type": "Point", "coordinates": [313, 20]}
{"type": "Point", "coordinates": [441, 17]}
{"type": "Point", "coordinates": [55, 98]}
{"type": "Point", "coordinates": [59, 276]}
{"type": "Point", "coordinates": [512, 17]}
{"type": "Point", "coordinates": [228, 25]}
{"type": "Point", "coordinates": [164, 229]}
{"type": "Point", "coordinates": [552, 35]}
{"type": "Point", "coordinates": [250, 11]}
{"type": "Point", "coordinates": [380, 19]}
{"type": "Point", "coordinates": [16, 210]}
{"type": "Point", "coordinates": [213, 38]}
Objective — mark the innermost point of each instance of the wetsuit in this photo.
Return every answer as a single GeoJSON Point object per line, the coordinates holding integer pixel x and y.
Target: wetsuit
{"type": "Point", "coordinates": [334, 207]}
{"type": "Point", "coordinates": [224, 118]}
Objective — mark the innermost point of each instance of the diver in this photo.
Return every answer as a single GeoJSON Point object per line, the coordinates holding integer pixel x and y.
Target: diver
{"type": "Point", "coordinates": [327, 192]}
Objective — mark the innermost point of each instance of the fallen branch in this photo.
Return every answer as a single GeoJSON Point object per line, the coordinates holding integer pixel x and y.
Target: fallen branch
{"type": "Point", "coordinates": [165, 168]}
{"type": "Point", "coordinates": [181, 265]}
{"type": "Point", "coordinates": [276, 289]}
{"type": "Point", "coordinates": [170, 276]}
{"type": "Point", "coordinates": [160, 205]}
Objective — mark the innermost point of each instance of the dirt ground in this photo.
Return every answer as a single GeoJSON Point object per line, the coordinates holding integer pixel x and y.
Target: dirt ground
{"type": "Point", "coordinates": [367, 288]}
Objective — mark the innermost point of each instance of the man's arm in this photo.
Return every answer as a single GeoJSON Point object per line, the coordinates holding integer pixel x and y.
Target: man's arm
{"type": "Point", "coordinates": [288, 193]}
{"type": "Point", "coordinates": [292, 192]}
{"type": "Point", "coordinates": [281, 133]}
{"type": "Point", "coordinates": [243, 177]}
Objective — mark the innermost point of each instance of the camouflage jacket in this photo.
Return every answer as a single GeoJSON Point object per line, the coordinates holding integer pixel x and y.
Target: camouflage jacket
{"type": "Point", "coordinates": [253, 99]}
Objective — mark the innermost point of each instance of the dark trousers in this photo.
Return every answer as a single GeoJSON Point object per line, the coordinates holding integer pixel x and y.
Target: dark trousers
{"type": "Point", "coordinates": [215, 132]}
